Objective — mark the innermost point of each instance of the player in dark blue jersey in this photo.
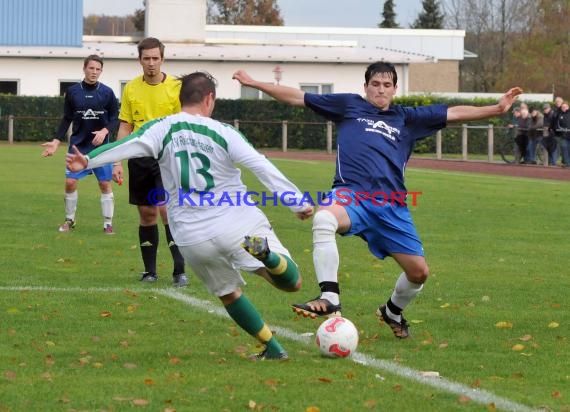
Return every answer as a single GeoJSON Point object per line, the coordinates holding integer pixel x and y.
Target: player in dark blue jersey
{"type": "Point", "coordinates": [92, 108]}
{"type": "Point", "coordinates": [374, 142]}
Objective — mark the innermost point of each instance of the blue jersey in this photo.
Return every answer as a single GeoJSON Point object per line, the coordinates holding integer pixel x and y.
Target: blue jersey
{"type": "Point", "coordinates": [89, 108]}
{"type": "Point", "coordinates": [374, 145]}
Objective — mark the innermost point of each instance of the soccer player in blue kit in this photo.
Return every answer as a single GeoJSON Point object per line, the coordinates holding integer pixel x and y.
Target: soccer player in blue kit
{"type": "Point", "coordinates": [93, 109]}
{"type": "Point", "coordinates": [374, 142]}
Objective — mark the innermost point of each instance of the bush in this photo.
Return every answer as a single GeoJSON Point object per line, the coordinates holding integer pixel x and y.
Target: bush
{"type": "Point", "coordinates": [36, 119]}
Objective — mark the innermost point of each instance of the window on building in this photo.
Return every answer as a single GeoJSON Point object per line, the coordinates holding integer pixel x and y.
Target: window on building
{"type": "Point", "coordinates": [249, 93]}
{"type": "Point", "coordinates": [8, 87]}
{"type": "Point", "coordinates": [317, 88]}
{"type": "Point", "coordinates": [63, 85]}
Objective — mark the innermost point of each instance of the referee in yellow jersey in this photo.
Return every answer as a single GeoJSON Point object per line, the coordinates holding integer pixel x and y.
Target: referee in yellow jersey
{"type": "Point", "coordinates": [149, 96]}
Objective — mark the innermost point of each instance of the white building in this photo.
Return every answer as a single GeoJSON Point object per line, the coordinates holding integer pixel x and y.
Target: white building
{"type": "Point", "coordinates": [316, 59]}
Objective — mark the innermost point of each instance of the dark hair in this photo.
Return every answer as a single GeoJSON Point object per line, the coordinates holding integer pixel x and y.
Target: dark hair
{"type": "Point", "coordinates": [150, 43]}
{"type": "Point", "coordinates": [195, 86]}
{"type": "Point", "coordinates": [381, 67]}
{"type": "Point", "coordinates": [92, 58]}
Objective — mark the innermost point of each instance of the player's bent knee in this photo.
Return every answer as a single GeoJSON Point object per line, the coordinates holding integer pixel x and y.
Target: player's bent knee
{"type": "Point", "coordinates": [324, 226]}
{"type": "Point", "coordinates": [419, 274]}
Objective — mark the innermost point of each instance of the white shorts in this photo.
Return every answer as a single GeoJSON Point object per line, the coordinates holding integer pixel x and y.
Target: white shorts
{"type": "Point", "coordinates": [218, 261]}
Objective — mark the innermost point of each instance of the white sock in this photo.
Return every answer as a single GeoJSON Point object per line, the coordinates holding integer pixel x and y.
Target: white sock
{"type": "Point", "coordinates": [404, 291]}
{"type": "Point", "coordinates": [332, 297]}
{"type": "Point", "coordinates": [70, 201]}
{"type": "Point", "coordinates": [325, 252]}
{"type": "Point", "coordinates": [108, 208]}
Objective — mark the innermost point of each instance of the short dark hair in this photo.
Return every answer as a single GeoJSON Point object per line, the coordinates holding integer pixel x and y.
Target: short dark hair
{"type": "Point", "coordinates": [92, 58]}
{"type": "Point", "coordinates": [195, 86]}
{"type": "Point", "coordinates": [381, 67]}
{"type": "Point", "coordinates": [150, 43]}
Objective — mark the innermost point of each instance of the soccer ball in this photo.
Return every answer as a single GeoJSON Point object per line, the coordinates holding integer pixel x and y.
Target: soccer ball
{"type": "Point", "coordinates": [337, 337]}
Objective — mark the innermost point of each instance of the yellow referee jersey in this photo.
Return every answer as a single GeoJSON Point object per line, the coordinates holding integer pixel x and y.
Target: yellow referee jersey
{"type": "Point", "coordinates": [142, 102]}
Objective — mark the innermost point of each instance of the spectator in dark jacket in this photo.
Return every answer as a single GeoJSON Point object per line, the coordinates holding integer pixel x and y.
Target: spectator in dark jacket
{"type": "Point", "coordinates": [534, 135]}
{"type": "Point", "coordinates": [548, 139]}
{"type": "Point", "coordinates": [561, 127]}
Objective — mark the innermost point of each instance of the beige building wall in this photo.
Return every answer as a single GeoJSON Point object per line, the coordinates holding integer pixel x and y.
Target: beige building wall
{"type": "Point", "coordinates": [442, 76]}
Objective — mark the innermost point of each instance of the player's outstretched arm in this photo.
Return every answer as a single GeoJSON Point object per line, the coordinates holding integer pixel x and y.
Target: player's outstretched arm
{"type": "Point", "coordinates": [467, 113]}
{"type": "Point", "coordinates": [75, 161]}
{"type": "Point", "coordinates": [50, 147]}
{"type": "Point", "coordinates": [294, 97]}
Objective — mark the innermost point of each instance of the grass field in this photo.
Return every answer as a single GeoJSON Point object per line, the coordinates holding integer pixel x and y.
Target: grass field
{"type": "Point", "coordinates": [79, 332]}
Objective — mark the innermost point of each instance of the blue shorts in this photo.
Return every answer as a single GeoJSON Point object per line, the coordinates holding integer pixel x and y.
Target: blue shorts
{"type": "Point", "coordinates": [103, 173]}
{"type": "Point", "coordinates": [387, 228]}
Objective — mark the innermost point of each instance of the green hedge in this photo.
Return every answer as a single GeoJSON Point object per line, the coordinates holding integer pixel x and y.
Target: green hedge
{"type": "Point", "coordinates": [260, 120]}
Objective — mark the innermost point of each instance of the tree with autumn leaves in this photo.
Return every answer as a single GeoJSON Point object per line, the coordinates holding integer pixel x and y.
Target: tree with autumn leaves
{"type": "Point", "coordinates": [523, 42]}
{"type": "Point", "coordinates": [244, 12]}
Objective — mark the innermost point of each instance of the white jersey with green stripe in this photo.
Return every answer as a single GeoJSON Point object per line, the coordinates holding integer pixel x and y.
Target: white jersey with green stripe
{"type": "Point", "coordinates": [197, 158]}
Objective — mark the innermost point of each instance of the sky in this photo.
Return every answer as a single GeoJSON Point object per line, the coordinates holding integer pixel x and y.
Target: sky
{"type": "Point", "coordinates": [327, 13]}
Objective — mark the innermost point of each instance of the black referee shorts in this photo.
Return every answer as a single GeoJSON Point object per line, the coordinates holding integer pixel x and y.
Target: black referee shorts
{"type": "Point", "coordinates": [144, 179]}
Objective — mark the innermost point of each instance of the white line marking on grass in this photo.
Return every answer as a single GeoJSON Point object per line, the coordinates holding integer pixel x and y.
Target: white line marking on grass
{"type": "Point", "coordinates": [476, 395]}
{"type": "Point", "coordinates": [445, 385]}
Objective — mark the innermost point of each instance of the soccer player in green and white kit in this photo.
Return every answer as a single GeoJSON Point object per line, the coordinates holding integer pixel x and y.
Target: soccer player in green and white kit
{"type": "Point", "coordinates": [197, 156]}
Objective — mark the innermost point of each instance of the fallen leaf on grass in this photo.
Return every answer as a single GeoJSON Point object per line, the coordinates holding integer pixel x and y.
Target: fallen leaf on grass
{"type": "Point", "coordinates": [174, 360]}
{"type": "Point", "coordinates": [65, 398]}
{"type": "Point", "coordinates": [10, 375]}
{"type": "Point", "coordinates": [313, 409]}
{"type": "Point", "coordinates": [526, 338]}
{"type": "Point", "coordinates": [553, 325]}
{"type": "Point", "coordinates": [105, 314]}
{"type": "Point", "coordinates": [325, 380]}
{"type": "Point", "coordinates": [463, 399]}
{"type": "Point", "coordinates": [491, 407]}
{"type": "Point", "coordinates": [251, 404]}
{"type": "Point", "coordinates": [445, 305]}
{"type": "Point", "coordinates": [272, 383]}
{"type": "Point", "coordinates": [47, 376]}
{"type": "Point", "coordinates": [429, 374]}
{"type": "Point", "coordinates": [556, 394]}
{"type": "Point", "coordinates": [148, 381]}
{"type": "Point", "coordinates": [84, 360]}
{"type": "Point", "coordinates": [140, 402]}
{"type": "Point", "coordinates": [130, 293]}
{"type": "Point", "coordinates": [504, 325]}
{"type": "Point", "coordinates": [518, 347]}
